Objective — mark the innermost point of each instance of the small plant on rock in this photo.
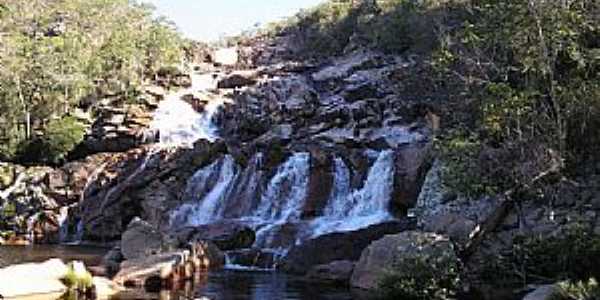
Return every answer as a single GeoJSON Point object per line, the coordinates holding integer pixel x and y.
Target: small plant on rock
{"type": "Point", "coordinates": [421, 277]}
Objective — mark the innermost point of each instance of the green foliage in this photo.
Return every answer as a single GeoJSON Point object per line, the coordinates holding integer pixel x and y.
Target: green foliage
{"type": "Point", "coordinates": [533, 69]}
{"type": "Point", "coordinates": [54, 53]}
{"type": "Point", "coordinates": [59, 138]}
{"type": "Point", "coordinates": [75, 281]}
{"type": "Point", "coordinates": [421, 278]}
{"type": "Point", "coordinates": [572, 255]}
{"type": "Point", "coordinates": [580, 290]}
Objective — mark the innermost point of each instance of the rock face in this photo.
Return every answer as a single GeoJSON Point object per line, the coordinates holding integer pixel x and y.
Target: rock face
{"type": "Point", "coordinates": [338, 246]}
{"type": "Point", "coordinates": [383, 253]}
{"type": "Point", "coordinates": [140, 240]}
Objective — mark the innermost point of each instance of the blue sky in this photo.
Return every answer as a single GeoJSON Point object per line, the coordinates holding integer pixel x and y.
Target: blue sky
{"type": "Point", "coordinates": [210, 19]}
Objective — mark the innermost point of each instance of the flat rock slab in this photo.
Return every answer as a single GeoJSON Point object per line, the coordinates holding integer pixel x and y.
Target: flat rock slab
{"type": "Point", "coordinates": [137, 272]}
{"type": "Point", "coordinates": [33, 279]}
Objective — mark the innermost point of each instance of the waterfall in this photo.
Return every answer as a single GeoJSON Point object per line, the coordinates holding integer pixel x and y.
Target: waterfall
{"type": "Point", "coordinates": [286, 192]}
{"type": "Point", "coordinates": [225, 191]}
{"type": "Point", "coordinates": [351, 210]}
{"type": "Point", "coordinates": [178, 123]}
{"type": "Point", "coordinates": [283, 200]}
{"type": "Point", "coordinates": [206, 193]}
{"type": "Point", "coordinates": [63, 222]}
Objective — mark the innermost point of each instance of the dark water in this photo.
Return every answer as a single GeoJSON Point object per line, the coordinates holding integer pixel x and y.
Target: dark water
{"type": "Point", "coordinates": [91, 256]}
{"type": "Point", "coordinates": [234, 285]}
{"type": "Point", "coordinates": [242, 285]}
{"type": "Point", "coordinates": [219, 285]}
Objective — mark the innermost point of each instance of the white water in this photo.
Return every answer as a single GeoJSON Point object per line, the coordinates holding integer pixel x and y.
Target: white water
{"type": "Point", "coordinates": [203, 209]}
{"type": "Point", "coordinates": [280, 206]}
{"type": "Point", "coordinates": [351, 210]}
{"type": "Point", "coordinates": [178, 123]}
{"type": "Point", "coordinates": [284, 199]}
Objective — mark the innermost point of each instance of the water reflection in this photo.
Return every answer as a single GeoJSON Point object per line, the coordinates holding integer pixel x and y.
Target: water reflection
{"type": "Point", "coordinates": [245, 285]}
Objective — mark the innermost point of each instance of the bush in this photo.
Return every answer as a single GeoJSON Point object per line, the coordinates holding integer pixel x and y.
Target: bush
{"type": "Point", "coordinates": [421, 278]}
{"type": "Point", "coordinates": [59, 137]}
{"type": "Point", "coordinates": [575, 255]}
{"type": "Point", "coordinates": [581, 290]}
{"type": "Point", "coordinates": [75, 281]}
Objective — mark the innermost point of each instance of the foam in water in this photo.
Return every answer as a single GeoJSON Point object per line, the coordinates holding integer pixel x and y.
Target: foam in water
{"type": "Point", "coordinates": [207, 208]}
{"type": "Point", "coordinates": [178, 123]}
{"type": "Point", "coordinates": [276, 217]}
{"type": "Point", "coordinates": [286, 192]}
{"type": "Point", "coordinates": [351, 210]}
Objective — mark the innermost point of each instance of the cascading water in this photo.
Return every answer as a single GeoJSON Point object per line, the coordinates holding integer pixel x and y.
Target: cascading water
{"type": "Point", "coordinates": [276, 213]}
{"type": "Point", "coordinates": [178, 123]}
{"type": "Point", "coordinates": [283, 200]}
{"type": "Point", "coordinates": [351, 210]}
{"type": "Point", "coordinates": [204, 205]}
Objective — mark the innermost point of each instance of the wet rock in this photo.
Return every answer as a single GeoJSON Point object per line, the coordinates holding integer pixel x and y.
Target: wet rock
{"type": "Point", "coordinates": [338, 272]}
{"type": "Point", "coordinates": [338, 246]}
{"type": "Point", "coordinates": [153, 271]}
{"type": "Point", "coordinates": [112, 260]}
{"type": "Point", "coordinates": [411, 165]}
{"type": "Point", "coordinates": [207, 254]}
{"type": "Point", "coordinates": [320, 182]}
{"type": "Point", "coordinates": [140, 239]}
{"type": "Point", "coordinates": [252, 258]}
{"type": "Point", "coordinates": [164, 270]}
{"type": "Point", "coordinates": [225, 235]}
{"type": "Point", "coordinates": [384, 252]}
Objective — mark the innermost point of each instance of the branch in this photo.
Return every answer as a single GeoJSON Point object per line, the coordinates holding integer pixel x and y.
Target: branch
{"type": "Point", "coordinates": [506, 203]}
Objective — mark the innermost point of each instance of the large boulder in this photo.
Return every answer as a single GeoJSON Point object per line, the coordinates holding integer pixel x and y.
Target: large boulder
{"type": "Point", "coordinates": [140, 239]}
{"type": "Point", "coordinates": [158, 271]}
{"type": "Point", "coordinates": [152, 271]}
{"type": "Point", "coordinates": [225, 235]}
{"type": "Point", "coordinates": [338, 246]}
{"type": "Point", "coordinates": [383, 254]}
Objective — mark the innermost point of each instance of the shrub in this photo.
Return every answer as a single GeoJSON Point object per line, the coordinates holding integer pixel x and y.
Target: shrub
{"type": "Point", "coordinates": [581, 290]}
{"type": "Point", "coordinates": [574, 255]}
{"type": "Point", "coordinates": [59, 138]}
{"type": "Point", "coordinates": [421, 278]}
{"type": "Point", "coordinates": [75, 281]}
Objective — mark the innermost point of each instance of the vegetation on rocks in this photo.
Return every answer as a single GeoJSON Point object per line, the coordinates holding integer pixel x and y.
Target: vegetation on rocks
{"type": "Point", "coordinates": [419, 277]}
{"type": "Point", "coordinates": [53, 54]}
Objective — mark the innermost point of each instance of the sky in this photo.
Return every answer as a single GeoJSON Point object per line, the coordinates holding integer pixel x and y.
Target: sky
{"type": "Point", "coordinates": [210, 19]}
